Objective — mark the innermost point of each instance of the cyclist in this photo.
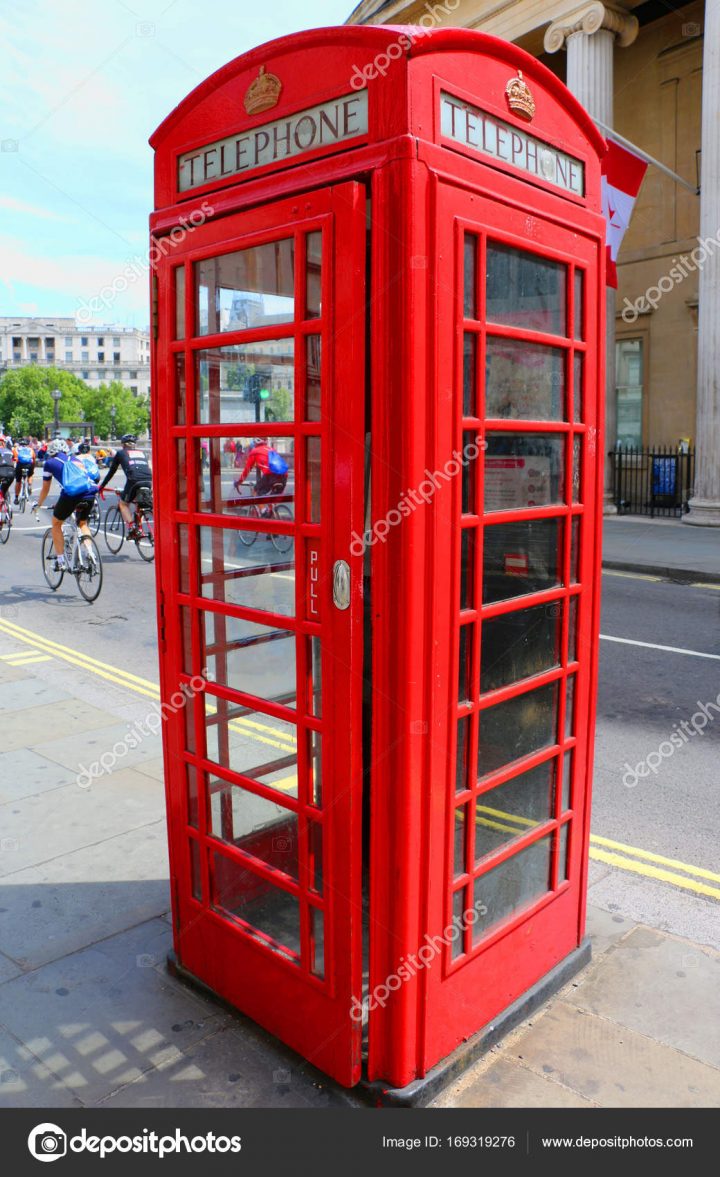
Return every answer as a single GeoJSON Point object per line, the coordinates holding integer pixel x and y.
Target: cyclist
{"type": "Point", "coordinates": [7, 468]}
{"type": "Point", "coordinates": [81, 503]}
{"type": "Point", "coordinates": [25, 463]}
{"type": "Point", "coordinates": [136, 468]}
{"type": "Point", "coordinates": [272, 468]}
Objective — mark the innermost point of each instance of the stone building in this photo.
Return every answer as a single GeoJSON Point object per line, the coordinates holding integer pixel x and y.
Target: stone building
{"type": "Point", "coordinates": [96, 354]}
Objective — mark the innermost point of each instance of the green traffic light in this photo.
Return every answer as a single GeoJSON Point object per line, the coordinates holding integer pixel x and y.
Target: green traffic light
{"type": "Point", "coordinates": [264, 394]}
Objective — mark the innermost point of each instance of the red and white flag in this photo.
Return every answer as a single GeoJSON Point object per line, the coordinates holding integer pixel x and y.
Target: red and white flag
{"type": "Point", "coordinates": [622, 175]}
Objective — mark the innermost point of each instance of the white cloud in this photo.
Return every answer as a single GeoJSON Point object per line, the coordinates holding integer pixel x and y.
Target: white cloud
{"type": "Point", "coordinates": [33, 210]}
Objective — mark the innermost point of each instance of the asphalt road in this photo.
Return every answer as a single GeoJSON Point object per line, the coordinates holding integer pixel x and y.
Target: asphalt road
{"type": "Point", "coordinates": [656, 809]}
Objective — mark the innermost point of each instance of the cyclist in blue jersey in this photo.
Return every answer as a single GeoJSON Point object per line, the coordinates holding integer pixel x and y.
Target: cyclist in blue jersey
{"type": "Point", "coordinates": [81, 504]}
{"type": "Point", "coordinates": [25, 463]}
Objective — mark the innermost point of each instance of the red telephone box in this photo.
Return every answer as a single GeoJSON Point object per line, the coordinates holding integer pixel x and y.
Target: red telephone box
{"type": "Point", "coordinates": [380, 252]}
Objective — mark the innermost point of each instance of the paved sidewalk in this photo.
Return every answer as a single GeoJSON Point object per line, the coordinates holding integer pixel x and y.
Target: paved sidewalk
{"type": "Point", "coordinates": [661, 547]}
{"type": "Point", "coordinates": [89, 1015]}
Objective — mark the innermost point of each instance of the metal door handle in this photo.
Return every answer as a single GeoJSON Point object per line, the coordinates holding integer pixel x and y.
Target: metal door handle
{"type": "Point", "coordinates": [341, 584]}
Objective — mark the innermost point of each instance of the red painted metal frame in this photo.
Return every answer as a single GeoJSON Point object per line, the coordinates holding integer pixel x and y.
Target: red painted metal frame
{"type": "Point", "coordinates": [422, 191]}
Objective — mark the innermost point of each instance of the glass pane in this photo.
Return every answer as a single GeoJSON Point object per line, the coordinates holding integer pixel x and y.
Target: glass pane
{"type": "Point", "coordinates": [180, 390]}
{"type": "Point", "coordinates": [469, 467]}
{"type": "Point", "coordinates": [522, 557]}
{"type": "Point", "coordinates": [315, 856]}
{"type": "Point", "coordinates": [313, 372]}
{"type": "Point", "coordinates": [470, 405]}
{"type": "Point", "coordinates": [469, 284]}
{"type": "Point", "coordinates": [570, 707]}
{"type": "Point", "coordinates": [461, 775]}
{"type": "Point", "coordinates": [181, 485]}
{"type": "Point", "coordinates": [313, 273]}
{"type": "Point", "coordinates": [240, 892]}
{"type": "Point", "coordinates": [517, 727]}
{"type": "Point", "coordinates": [578, 393]}
{"type": "Point", "coordinates": [247, 384]}
{"type": "Point", "coordinates": [245, 568]}
{"type": "Point", "coordinates": [577, 447]}
{"type": "Point", "coordinates": [315, 787]}
{"type": "Point", "coordinates": [574, 548]}
{"type": "Point", "coordinates": [313, 476]}
{"type": "Point", "coordinates": [315, 688]}
{"type": "Point", "coordinates": [567, 778]}
{"type": "Point", "coordinates": [524, 290]}
{"type": "Point", "coordinates": [464, 663]}
{"type": "Point", "coordinates": [467, 567]}
{"type": "Point", "coordinates": [579, 316]}
{"type": "Point", "coordinates": [563, 855]}
{"type": "Point", "coordinates": [256, 659]}
{"type": "Point", "coordinates": [186, 663]}
{"type": "Point", "coordinates": [259, 827]}
{"type": "Point", "coordinates": [249, 742]}
{"type": "Point", "coordinates": [524, 380]}
{"type": "Point", "coordinates": [192, 792]}
{"type": "Point", "coordinates": [523, 470]}
{"type": "Point", "coordinates": [317, 942]}
{"type": "Point", "coordinates": [572, 629]}
{"type": "Point", "coordinates": [512, 885]}
{"type": "Point", "coordinates": [195, 872]}
{"type": "Point", "coordinates": [513, 809]}
{"type": "Point", "coordinates": [246, 289]}
{"type": "Point", "coordinates": [459, 840]}
{"type": "Point", "coordinates": [179, 302]}
{"type": "Point", "coordinates": [183, 557]}
{"type": "Point", "coordinates": [458, 941]}
{"type": "Point", "coordinates": [519, 644]}
{"type": "Point", "coordinates": [220, 462]}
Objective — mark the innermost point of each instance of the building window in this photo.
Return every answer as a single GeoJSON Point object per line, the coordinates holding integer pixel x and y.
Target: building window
{"type": "Point", "coordinates": [101, 341]}
{"type": "Point", "coordinates": [133, 375]}
{"type": "Point", "coordinates": [50, 344]}
{"type": "Point", "coordinates": [17, 343]}
{"type": "Point", "coordinates": [16, 356]}
{"type": "Point", "coordinates": [101, 373]}
{"type": "Point", "coordinates": [84, 356]}
{"type": "Point", "coordinates": [68, 357]}
{"type": "Point", "coordinates": [133, 389]}
{"type": "Point", "coordinates": [629, 390]}
{"type": "Point", "coordinates": [101, 357]}
{"type": "Point", "coordinates": [68, 341]}
{"type": "Point", "coordinates": [116, 357]}
{"type": "Point", "coordinates": [116, 341]}
{"type": "Point", "coordinates": [84, 341]}
{"type": "Point", "coordinates": [116, 375]}
{"type": "Point", "coordinates": [85, 375]}
{"type": "Point", "coordinates": [33, 357]}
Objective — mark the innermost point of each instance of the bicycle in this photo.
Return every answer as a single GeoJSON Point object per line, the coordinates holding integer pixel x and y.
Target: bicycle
{"type": "Point", "coordinates": [82, 561]}
{"type": "Point", "coordinates": [281, 542]}
{"type": "Point", "coordinates": [143, 524]}
{"type": "Point", "coordinates": [95, 518]}
{"type": "Point", "coordinates": [5, 519]}
{"type": "Point", "coordinates": [24, 497]}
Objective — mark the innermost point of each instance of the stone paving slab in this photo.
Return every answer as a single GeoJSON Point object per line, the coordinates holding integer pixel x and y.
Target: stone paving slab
{"type": "Point", "coordinates": [72, 901]}
{"type": "Point", "coordinates": [612, 1065]}
{"type": "Point", "coordinates": [35, 727]}
{"type": "Point", "coordinates": [39, 828]}
{"type": "Point", "coordinates": [8, 970]}
{"type": "Point", "coordinates": [154, 768]}
{"type": "Point", "coordinates": [505, 1083]}
{"type": "Point", "coordinates": [77, 754]}
{"type": "Point", "coordinates": [25, 1082]}
{"type": "Point", "coordinates": [605, 928]}
{"type": "Point", "coordinates": [31, 692]}
{"type": "Point", "coordinates": [24, 773]}
{"type": "Point", "coordinates": [664, 988]}
{"type": "Point", "coordinates": [12, 673]}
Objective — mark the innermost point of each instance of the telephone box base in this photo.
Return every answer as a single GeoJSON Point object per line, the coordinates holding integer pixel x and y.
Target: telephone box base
{"type": "Point", "coordinates": [421, 1091]}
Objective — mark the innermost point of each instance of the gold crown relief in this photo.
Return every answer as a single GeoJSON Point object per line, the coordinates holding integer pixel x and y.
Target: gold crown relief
{"type": "Point", "coordinates": [263, 93]}
{"type": "Point", "coordinates": [519, 97]}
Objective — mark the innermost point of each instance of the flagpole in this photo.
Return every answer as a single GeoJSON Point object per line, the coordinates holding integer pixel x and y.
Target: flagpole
{"type": "Point", "coordinates": [612, 134]}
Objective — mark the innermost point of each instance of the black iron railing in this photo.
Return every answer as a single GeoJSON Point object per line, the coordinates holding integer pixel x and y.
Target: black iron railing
{"type": "Point", "coordinates": [656, 480]}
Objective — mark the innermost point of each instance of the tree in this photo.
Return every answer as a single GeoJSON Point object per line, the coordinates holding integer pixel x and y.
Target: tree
{"type": "Point", "coordinates": [26, 404]}
{"type": "Point", "coordinates": [279, 406]}
{"type": "Point", "coordinates": [131, 412]}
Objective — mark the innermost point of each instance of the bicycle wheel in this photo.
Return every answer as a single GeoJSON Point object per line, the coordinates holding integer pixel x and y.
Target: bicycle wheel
{"type": "Point", "coordinates": [88, 570]}
{"type": "Point", "coordinates": [23, 497]}
{"type": "Point", "coordinates": [114, 530]}
{"type": "Point", "coordinates": [5, 525]}
{"type": "Point", "coordinates": [283, 543]}
{"type": "Point", "coordinates": [145, 541]}
{"type": "Point", "coordinates": [247, 538]}
{"type": "Point", "coordinates": [52, 575]}
{"type": "Point", "coordinates": [94, 518]}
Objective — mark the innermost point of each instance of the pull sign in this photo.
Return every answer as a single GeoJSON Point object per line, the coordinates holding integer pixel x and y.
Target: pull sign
{"type": "Point", "coordinates": [341, 584]}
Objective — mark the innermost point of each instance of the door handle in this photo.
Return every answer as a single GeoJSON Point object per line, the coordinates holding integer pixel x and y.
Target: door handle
{"type": "Point", "coordinates": [341, 584]}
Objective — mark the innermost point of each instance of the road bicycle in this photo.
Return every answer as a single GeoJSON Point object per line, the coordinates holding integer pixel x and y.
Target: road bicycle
{"type": "Point", "coordinates": [143, 525]}
{"type": "Point", "coordinates": [255, 510]}
{"type": "Point", "coordinates": [24, 497]}
{"type": "Point", "coordinates": [95, 518]}
{"type": "Point", "coordinates": [5, 519]}
{"type": "Point", "coordinates": [82, 560]}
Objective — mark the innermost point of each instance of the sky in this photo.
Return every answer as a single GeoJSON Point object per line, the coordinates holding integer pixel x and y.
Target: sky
{"type": "Point", "coordinates": [83, 84]}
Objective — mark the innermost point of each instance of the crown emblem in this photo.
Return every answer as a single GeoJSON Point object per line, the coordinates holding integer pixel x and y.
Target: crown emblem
{"type": "Point", "coordinates": [520, 97]}
{"type": "Point", "coordinates": [263, 93]}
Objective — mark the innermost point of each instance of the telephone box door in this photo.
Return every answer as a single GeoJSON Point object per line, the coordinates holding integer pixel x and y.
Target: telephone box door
{"type": "Point", "coordinates": [262, 337]}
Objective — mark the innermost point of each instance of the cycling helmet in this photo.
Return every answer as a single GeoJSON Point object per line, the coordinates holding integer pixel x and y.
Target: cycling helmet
{"type": "Point", "coordinates": [128, 438]}
{"type": "Point", "coordinates": [56, 446]}
{"type": "Point", "coordinates": [83, 447]}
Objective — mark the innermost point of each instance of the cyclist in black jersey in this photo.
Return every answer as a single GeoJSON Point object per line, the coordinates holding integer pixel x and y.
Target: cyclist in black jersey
{"type": "Point", "coordinates": [135, 466]}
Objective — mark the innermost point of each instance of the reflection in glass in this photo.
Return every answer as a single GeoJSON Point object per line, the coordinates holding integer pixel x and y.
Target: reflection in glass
{"type": "Point", "coordinates": [524, 380]}
{"type": "Point", "coordinates": [317, 942]}
{"type": "Point", "coordinates": [572, 629]}
{"type": "Point", "coordinates": [522, 557]}
{"type": "Point", "coordinates": [315, 790]}
{"type": "Point", "coordinates": [255, 825]}
{"type": "Point", "coordinates": [315, 856]}
{"type": "Point", "coordinates": [464, 663]}
{"type": "Point", "coordinates": [459, 840]}
{"type": "Point", "coordinates": [467, 567]}
{"type": "Point", "coordinates": [469, 369]}
{"type": "Point", "coordinates": [313, 472]}
{"type": "Point", "coordinates": [249, 742]}
{"type": "Point", "coordinates": [567, 778]}
{"type": "Point", "coordinates": [179, 389]}
{"type": "Point", "coordinates": [257, 577]}
{"type": "Point", "coordinates": [524, 290]}
{"type": "Point", "coordinates": [578, 366]}
{"type": "Point", "coordinates": [579, 317]}
{"type": "Point", "coordinates": [513, 809]}
{"type": "Point", "coordinates": [469, 468]}
{"type": "Point", "coordinates": [246, 289]}
{"type": "Point", "coordinates": [523, 470]}
{"type": "Point", "coordinates": [216, 471]}
{"type": "Point", "coordinates": [577, 447]}
{"type": "Point", "coordinates": [461, 774]}
{"type": "Point", "coordinates": [458, 941]}
{"type": "Point", "coordinates": [181, 485]}
{"type": "Point", "coordinates": [183, 557]}
{"type": "Point", "coordinates": [240, 892]}
{"type": "Point", "coordinates": [246, 384]}
{"type": "Point", "coordinates": [517, 727]}
{"type": "Point", "coordinates": [313, 275]}
{"type": "Point", "coordinates": [519, 644]}
{"type": "Point", "coordinates": [512, 885]}
{"type": "Point", "coordinates": [564, 854]}
{"type": "Point", "coordinates": [195, 872]}
{"type": "Point", "coordinates": [574, 548]}
{"type": "Point", "coordinates": [179, 302]}
{"type": "Point", "coordinates": [315, 691]}
{"type": "Point", "coordinates": [186, 663]}
{"type": "Point", "coordinates": [469, 277]}
{"type": "Point", "coordinates": [191, 794]}
{"type": "Point", "coordinates": [570, 707]}
{"type": "Point", "coordinates": [313, 373]}
{"type": "Point", "coordinates": [256, 659]}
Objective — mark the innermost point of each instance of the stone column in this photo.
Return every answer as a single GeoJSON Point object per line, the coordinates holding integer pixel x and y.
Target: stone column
{"type": "Point", "coordinates": [590, 33]}
{"type": "Point", "coordinates": [705, 503]}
